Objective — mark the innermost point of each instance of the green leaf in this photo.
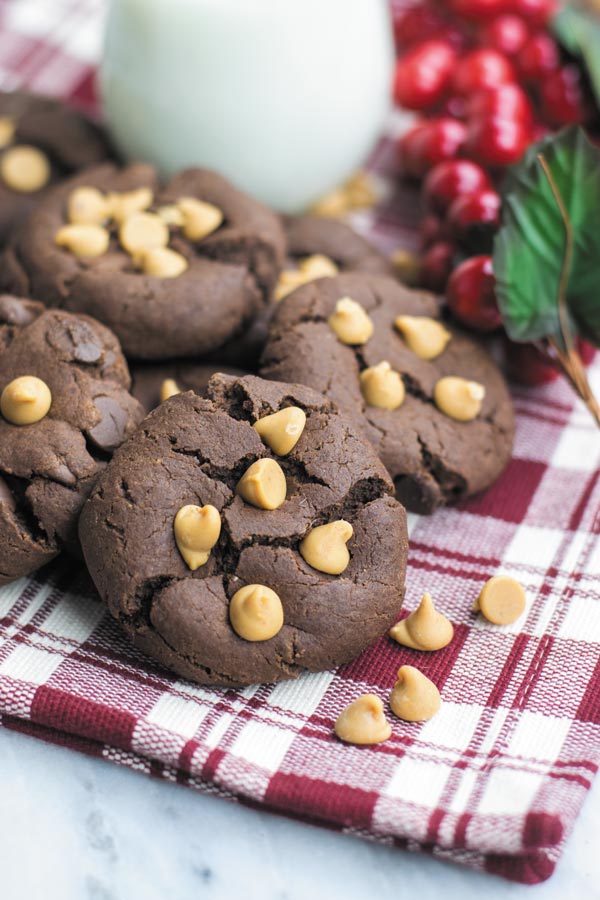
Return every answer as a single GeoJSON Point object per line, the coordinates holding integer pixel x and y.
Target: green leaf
{"type": "Point", "coordinates": [529, 248]}
{"type": "Point", "coordinates": [578, 30]}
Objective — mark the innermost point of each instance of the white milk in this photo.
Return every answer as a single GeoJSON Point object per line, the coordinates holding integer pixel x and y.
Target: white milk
{"type": "Point", "coordinates": [285, 97]}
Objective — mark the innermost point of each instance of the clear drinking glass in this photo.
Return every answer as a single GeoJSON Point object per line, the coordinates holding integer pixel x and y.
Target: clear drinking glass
{"type": "Point", "coordinates": [284, 97]}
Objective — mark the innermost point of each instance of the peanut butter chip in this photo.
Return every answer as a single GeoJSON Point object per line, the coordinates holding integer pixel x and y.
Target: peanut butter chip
{"type": "Point", "coordinates": [332, 205]}
{"type": "Point", "coordinates": [25, 400]}
{"type": "Point", "coordinates": [382, 386]}
{"type": "Point", "coordinates": [143, 231]}
{"type": "Point", "coordinates": [263, 484]}
{"type": "Point", "coordinates": [424, 629]}
{"type": "Point", "coordinates": [123, 205]}
{"type": "Point", "coordinates": [407, 266]}
{"type": "Point", "coordinates": [324, 547]}
{"type": "Point", "coordinates": [502, 600]}
{"type": "Point", "coordinates": [281, 431]}
{"type": "Point", "coordinates": [162, 262]}
{"type": "Point", "coordinates": [169, 388]}
{"type": "Point", "coordinates": [199, 218]}
{"type": "Point", "coordinates": [363, 722]}
{"type": "Point", "coordinates": [87, 206]}
{"type": "Point", "coordinates": [350, 323]}
{"type": "Point", "coordinates": [426, 337]}
{"type": "Point", "coordinates": [317, 266]}
{"type": "Point", "coordinates": [83, 240]}
{"type": "Point", "coordinates": [458, 398]}
{"type": "Point", "coordinates": [288, 281]}
{"type": "Point", "coordinates": [197, 530]}
{"type": "Point", "coordinates": [171, 215]}
{"type": "Point", "coordinates": [25, 169]}
{"type": "Point", "coordinates": [7, 131]}
{"type": "Point", "coordinates": [256, 613]}
{"type": "Point", "coordinates": [414, 697]}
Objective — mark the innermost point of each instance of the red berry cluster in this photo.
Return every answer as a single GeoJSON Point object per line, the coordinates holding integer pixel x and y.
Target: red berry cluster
{"type": "Point", "coordinates": [488, 79]}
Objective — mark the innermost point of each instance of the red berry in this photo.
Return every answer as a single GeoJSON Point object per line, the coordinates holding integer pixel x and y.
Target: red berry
{"type": "Point", "coordinates": [481, 69]}
{"type": "Point", "coordinates": [507, 34]}
{"type": "Point", "coordinates": [430, 143]}
{"type": "Point", "coordinates": [478, 10]}
{"type": "Point", "coordinates": [410, 150]}
{"type": "Point", "coordinates": [422, 75]}
{"type": "Point", "coordinates": [471, 296]}
{"type": "Point", "coordinates": [537, 12]}
{"type": "Point", "coordinates": [474, 211]}
{"type": "Point", "coordinates": [586, 351]}
{"type": "Point", "coordinates": [436, 265]}
{"type": "Point", "coordinates": [539, 56]}
{"type": "Point", "coordinates": [507, 101]}
{"type": "Point", "coordinates": [416, 24]}
{"type": "Point", "coordinates": [431, 230]}
{"type": "Point", "coordinates": [494, 141]}
{"type": "Point", "coordinates": [528, 365]}
{"type": "Point", "coordinates": [450, 179]}
{"type": "Point", "coordinates": [563, 100]}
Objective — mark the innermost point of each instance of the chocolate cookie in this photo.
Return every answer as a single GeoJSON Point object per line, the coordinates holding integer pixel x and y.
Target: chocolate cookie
{"type": "Point", "coordinates": [64, 408]}
{"type": "Point", "coordinates": [430, 399]}
{"type": "Point", "coordinates": [42, 141]}
{"type": "Point", "coordinates": [235, 554]}
{"type": "Point", "coordinates": [152, 383]}
{"type": "Point", "coordinates": [316, 247]}
{"type": "Point", "coordinates": [174, 270]}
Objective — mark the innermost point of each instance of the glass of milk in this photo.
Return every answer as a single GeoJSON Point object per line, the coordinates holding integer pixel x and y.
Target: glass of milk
{"type": "Point", "coordinates": [284, 97]}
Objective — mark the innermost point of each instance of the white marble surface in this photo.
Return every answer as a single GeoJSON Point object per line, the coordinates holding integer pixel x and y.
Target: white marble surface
{"type": "Point", "coordinates": [76, 828]}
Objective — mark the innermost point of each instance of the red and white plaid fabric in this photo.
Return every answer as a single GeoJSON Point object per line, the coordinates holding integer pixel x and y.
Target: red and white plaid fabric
{"type": "Point", "coordinates": [496, 779]}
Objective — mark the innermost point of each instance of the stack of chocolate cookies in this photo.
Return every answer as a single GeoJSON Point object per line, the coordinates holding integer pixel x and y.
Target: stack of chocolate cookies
{"type": "Point", "coordinates": [240, 504]}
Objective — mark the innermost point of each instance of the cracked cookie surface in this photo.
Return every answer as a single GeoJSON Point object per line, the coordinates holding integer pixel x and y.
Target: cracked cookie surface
{"type": "Point", "coordinates": [228, 276]}
{"type": "Point", "coordinates": [432, 458]}
{"type": "Point", "coordinates": [67, 138]}
{"type": "Point", "coordinates": [147, 378]}
{"type": "Point", "coordinates": [192, 450]}
{"type": "Point", "coordinates": [48, 468]}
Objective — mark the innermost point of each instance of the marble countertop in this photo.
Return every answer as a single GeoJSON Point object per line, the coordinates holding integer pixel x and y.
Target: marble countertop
{"type": "Point", "coordinates": [78, 828]}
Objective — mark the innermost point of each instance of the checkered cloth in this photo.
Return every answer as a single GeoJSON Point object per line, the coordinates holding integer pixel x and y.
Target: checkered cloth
{"type": "Point", "coordinates": [496, 779]}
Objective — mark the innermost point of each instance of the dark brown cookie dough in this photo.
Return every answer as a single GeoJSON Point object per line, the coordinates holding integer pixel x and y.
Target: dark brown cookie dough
{"type": "Point", "coordinates": [432, 458]}
{"type": "Point", "coordinates": [147, 378]}
{"type": "Point", "coordinates": [68, 140]}
{"type": "Point", "coordinates": [229, 275]}
{"type": "Point", "coordinates": [307, 236]}
{"type": "Point", "coordinates": [48, 468]}
{"type": "Point", "coordinates": [193, 451]}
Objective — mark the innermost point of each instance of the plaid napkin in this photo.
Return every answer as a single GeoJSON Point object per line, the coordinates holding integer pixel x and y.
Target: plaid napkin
{"type": "Point", "coordinates": [496, 779]}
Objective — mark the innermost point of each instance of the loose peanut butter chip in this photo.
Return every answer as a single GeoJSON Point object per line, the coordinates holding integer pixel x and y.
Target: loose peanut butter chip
{"type": "Point", "coordinates": [332, 205]}
{"type": "Point", "coordinates": [502, 600]}
{"type": "Point", "coordinates": [169, 388]}
{"type": "Point", "coordinates": [197, 530]}
{"type": "Point", "coordinates": [263, 484]}
{"type": "Point", "coordinates": [171, 215]}
{"type": "Point", "coordinates": [87, 206]}
{"type": "Point", "coordinates": [363, 722]}
{"type": "Point", "coordinates": [143, 231]}
{"type": "Point", "coordinates": [360, 190]}
{"type": "Point", "coordinates": [123, 205]}
{"type": "Point", "coordinates": [426, 337]}
{"type": "Point", "coordinates": [25, 400]}
{"type": "Point", "coordinates": [7, 131]}
{"type": "Point", "coordinates": [25, 169]}
{"type": "Point", "coordinates": [382, 386]}
{"type": "Point", "coordinates": [350, 323]}
{"type": "Point", "coordinates": [83, 240]}
{"type": "Point", "coordinates": [414, 697]}
{"type": "Point", "coordinates": [256, 613]}
{"type": "Point", "coordinates": [281, 431]}
{"type": "Point", "coordinates": [161, 262]}
{"type": "Point", "coordinates": [458, 398]}
{"type": "Point", "coordinates": [317, 266]}
{"type": "Point", "coordinates": [425, 628]}
{"type": "Point", "coordinates": [199, 218]}
{"type": "Point", "coordinates": [324, 547]}
{"type": "Point", "coordinates": [407, 266]}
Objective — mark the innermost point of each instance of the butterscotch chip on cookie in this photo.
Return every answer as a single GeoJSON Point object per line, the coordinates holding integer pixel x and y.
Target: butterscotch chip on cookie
{"type": "Point", "coordinates": [228, 589]}
{"type": "Point", "coordinates": [64, 408]}
{"type": "Point", "coordinates": [430, 399]}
